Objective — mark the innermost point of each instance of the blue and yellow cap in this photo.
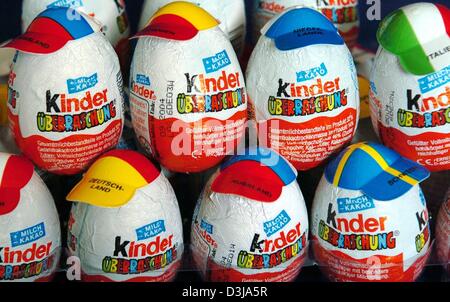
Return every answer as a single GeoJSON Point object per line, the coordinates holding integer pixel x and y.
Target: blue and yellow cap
{"type": "Point", "coordinates": [378, 171]}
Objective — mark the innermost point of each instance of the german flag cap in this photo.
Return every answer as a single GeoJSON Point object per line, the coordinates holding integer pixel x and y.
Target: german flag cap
{"type": "Point", "coordinates": [419, 35]}
{"type": "Point", "coordinates": [259, 174]}
{"type": "Point", "coordinates": [15, 173]}
{"type": "Point", "coordinates": [378, 171]}
{"type": "Point", "coordinates": [52, 29]}
{"type": "Point", "coordinates": [113, 179]}
{"type": "Point", "coordinates": [178, 20]}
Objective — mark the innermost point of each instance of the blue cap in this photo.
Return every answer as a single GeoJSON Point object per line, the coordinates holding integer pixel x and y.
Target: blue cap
{"type": "Point", "coordinates": [378, 171]}
{"type": "Point", "coordinates": [300, 27]}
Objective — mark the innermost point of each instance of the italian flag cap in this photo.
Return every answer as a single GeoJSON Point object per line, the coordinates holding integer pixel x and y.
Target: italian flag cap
{"type": "Point", "coordinates": [419, 35]}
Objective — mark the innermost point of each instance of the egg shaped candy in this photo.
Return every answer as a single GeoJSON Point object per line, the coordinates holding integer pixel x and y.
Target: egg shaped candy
{"type": "Point", "coordinates": [188, 97]}
{"type": "Point", "coordinates": [30, 236]}
{"type": "Point", "coordinates": [369, 217]}
{"type": "Point", "coordinates": [230, 13]}
{"type": "Point", "coordinates": [125, 224]}
{"type": "Point", "coordinates": [410, 84]}
{"type": "Point", "coordinates": [110, 13]}
{"type": "Point", "coordinates": [443, 234]}
{"type": "Point", "coordinates": [250, 223]}
{"type": "Point", "coordinates": [343, 13]}
{"type": "Point", "coordinates": [68, 108]}
{"type": "Point", "coordinates": [302, 81]}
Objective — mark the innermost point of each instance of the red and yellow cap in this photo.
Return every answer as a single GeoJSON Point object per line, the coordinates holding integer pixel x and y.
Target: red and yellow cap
{"type": "Point", "coordinates": [114, 178]}
{"type": "Point", "coordinates": [178, 21]}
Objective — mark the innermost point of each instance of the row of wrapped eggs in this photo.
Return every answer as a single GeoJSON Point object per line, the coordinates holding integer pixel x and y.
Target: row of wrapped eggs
{"type": "Point", "coordinates": [125, 224]}
{"type": "Point", "coordinates": [306, 107]}
{"type": "Point", "coordinates": [195, 110]}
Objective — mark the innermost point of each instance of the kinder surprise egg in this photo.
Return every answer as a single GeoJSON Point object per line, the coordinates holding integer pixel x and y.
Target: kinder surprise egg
{"type": "Point", "coordinates": [410, 84]}
{"type": "Point", "coordinates": [230, 13]}
{"type": "Point", "coordinates": [67, 109]}
{"type": "Point", "coordinates": [369, 217]}
{"type": "Point", "coordinates": [443, 234]}
{"type": "Point", "coordinates": [302, 81]}
{"type": "Point", "coordinates": [343, 13]}
{"type": "Point", "coordinates": [111, 14]}
{"type": "Point", "coordinates": [188, 97]}
{"type": "Point", "coordinates": [250, 223]}
{"type": "Point", "coordinates": [125, 224]}
{"type": "Point", "coordinates": [30, 236]}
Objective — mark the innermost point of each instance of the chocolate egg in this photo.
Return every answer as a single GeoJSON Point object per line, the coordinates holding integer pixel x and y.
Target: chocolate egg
{"type": "Point", "coordinates": [68, 108]}
{"type": "Point", "coordinates": [410, 84]}
{"type": "Point", "coordinates": [369, 218]}
{"type": "Point", "coordinates": [302, 82]}
{"type": "Point", "coordinates": [250, 223]}
{"type": "Point", "coordinates": [30, 236]}
{"type": "Point", "coordinates": [125, 224]}
{"type": "Point", "coordinates": [188, 97]}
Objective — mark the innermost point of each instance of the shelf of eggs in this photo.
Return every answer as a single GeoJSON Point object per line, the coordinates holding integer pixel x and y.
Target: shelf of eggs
{"type": "Point", "coordinates": [363, 213]}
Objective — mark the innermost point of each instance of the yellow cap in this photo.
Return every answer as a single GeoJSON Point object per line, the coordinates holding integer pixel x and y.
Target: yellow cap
{"type": "Point", "coordinates": [191, 12]}
{"type": "Point", "coordinates": [113, 179]}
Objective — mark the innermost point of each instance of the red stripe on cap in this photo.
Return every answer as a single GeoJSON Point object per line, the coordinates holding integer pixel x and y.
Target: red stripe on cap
{"type": "Point", "coordinates": [48, 26]}
{"type": "Point", "coordinates": [445, 12]}
{"type": "Point", "coordinates": [138, 161]}
{"type": "Point", "coordinates": [170, 26]}
{"type": "Point", "coordinates": [249, 179]}
{"type": "Point", "coordinates": [16, 175]}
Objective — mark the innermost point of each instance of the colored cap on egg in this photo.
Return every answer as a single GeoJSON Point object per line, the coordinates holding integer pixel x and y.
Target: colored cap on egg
{"type": "Point", "coordinates": [15, 173]}
{"type": "Point", "coordinates": [52, 29]}
{"type": "Point", "coordinates": [178, 21]}
{"type": "Point", "coordinates": [113, 179]}
{"type": "Point", "coordinates": [378, 171]}
{"type": "Point", "coordinates": [419, 35]}
{"type": "Point", "coordinates": [300, 27]}
{"type": "Point", "coordinates": [258, 174]}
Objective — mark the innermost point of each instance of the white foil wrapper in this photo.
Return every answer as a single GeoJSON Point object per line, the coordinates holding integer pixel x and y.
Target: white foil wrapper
{"type": "Point", "coordinates": [357, 238]}
{"type": "Point", "coordinates": [230, 13]}
{"type": "Point", "coordinates": [238, 239]}
{"type": "Point", "coordinates": [410, 113]}
{"type": "Point", "coordinates": [140, 241]}
{"type": "Point", "coordinates": [281, 85]}
{"type": "Point", "coordinates": [68, 108]}
{"type": "Point", "coordinates": [30, 236]}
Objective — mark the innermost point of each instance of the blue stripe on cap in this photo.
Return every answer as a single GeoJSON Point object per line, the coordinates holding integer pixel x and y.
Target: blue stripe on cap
{"type": "Point", "coordinates": [302, 27]}
{"type": "Point", "coordinates": [74, 23]}
{"type": "Point", "coordinates": [268, 158]}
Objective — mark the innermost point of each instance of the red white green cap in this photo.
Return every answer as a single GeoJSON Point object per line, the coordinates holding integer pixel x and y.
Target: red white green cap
{"type": "Point", "coordinates": [419, 34]}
